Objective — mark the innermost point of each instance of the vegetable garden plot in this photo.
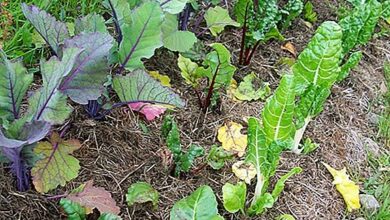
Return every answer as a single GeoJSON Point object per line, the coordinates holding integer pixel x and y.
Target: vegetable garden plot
{"type": "Point", "coordinates": [173, 110]}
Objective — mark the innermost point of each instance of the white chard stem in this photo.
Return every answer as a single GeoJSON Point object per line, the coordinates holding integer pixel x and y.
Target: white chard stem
{"type": "Point", "coordinates": [299, 135]}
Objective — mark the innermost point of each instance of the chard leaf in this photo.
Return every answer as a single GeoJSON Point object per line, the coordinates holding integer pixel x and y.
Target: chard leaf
{"type": "Point", "coordinates": [201, 204]}
{"type": "Point", "coordinates": [351, 63]}
{"type": "Point", "coordinates": [170, 132]}
{"type": "Point", "coordinates": [234, 197]}
{"type": "Point", "coordinates": [56, 166]}
{"type": "Point", "coordinates": [310, 14]}
{"type": "Point", "coordinates": [90, 24]}
{"type": "Point", "coordinates": [174, 39]}
{"type": "Point", "coordinates": [85, 81]}
{"type": "Point", "coordinates": [217, 157]}
{"type": "Point", "coordinates": [142, 36]}
{"type": "Point", "coordinates": [259, 205]}
{"type": "Point", "coordinates": [138, 86]}
{"type": "Point", "coordinates": [218, 63]}
{"type": "Point", "coordinates": [187, 159]}
{"type": "Point", "coordinates": [188, 71]}
{"type": "Point", "coordinates": [279, 111]}
{"type": "Point", "coordinates": [291, 11]}
{"type": "Point", "coordinates": [173, 6]}
{"type": "Point", "coordinates": [53, 31]}
{"type": "Point", "coordinates": [142, 192]}
{"type": "Point", "coordinates": [279, 186]}
{"type": "Point", "coordinates": [73, 210]}
{"type": "Point", "coordinates": [247, 92]}
{"type": "Point", "coordinates": [358, 27]}
{"type": "Point", "coordinates": [217, 19]}
{"type": "Point", "coordinates": [15, 81]}
{"type": "Point", "coordinates": [48, 103]}
{"type": "Point", "coordinates": [318, 63]}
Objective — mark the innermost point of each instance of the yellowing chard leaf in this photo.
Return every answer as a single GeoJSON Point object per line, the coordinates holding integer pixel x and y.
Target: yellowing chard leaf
{"type": "Point", "coordinates": [56, 166]}
{"type": "Point", "coordinates": [347, 188]}
{"type": "Point", "coordinates": [246, 91]}
{"type": "Point", "coordinates": [149, 110]}
{"type": "Point", "coordinates": [188, 70]}
{"type": "Point", "coordinates": [142, 192]}
{"type": "Point", "coordinates": [232, 139]}
{"type": "Point", "coordinates": [164, 79]}
{"type": "Point", "coordinates": [244, 171]}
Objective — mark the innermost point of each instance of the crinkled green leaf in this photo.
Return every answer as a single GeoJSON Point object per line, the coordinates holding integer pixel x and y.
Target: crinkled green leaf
{"type": "Point", "coordinates": [310, 14]}
{"type": "Point", "coordinates": [74, 211]}
{"type": "Point", "coordinates": [352, 62]}
{"type": "Point", "coordinates": [15, 81]}
{"type": "Point", "coordinates": [188, 71]}
{"type": "Point", "coordinates": [139, 86]}
{"type": "Point", "coordinates": [291, 11]}
{"type": "Point", "coordinates": [90, 23]}
{"type": "Point", "coordinates": [48, 103]}
{"type": "Point", "coordinates": [200, 205]}
{"type": "Point", "coordinates": [358, 27]}
{"type": "Point", "coordinates": [53, 31]}
{"type": "Point", "coordinates": [174, 39]}
{"type": "Point", "coordinates": [142, 36]}
{"type": "Point", "coordinates": [279, 186]}
{"type": "Point", "coordinates": [218, 156]}
{"type": "Point", "coordinates": [278, 111]}
{"type": "Point", "coordinates": [217, 19]}
{"type": "Point", "coordinates": [142, 192]}
{"type": "Point", "coordinates": [246, 91]}
{"type": "Point", "coordinates": [187, 159]}
{"type": "Point", "coordinates": [57, 166]}
{"type": "Point", "coordinates": [234, 197]}
{"type": "Point", "coordinates": [173, 6]}
{"type": "Point", "coordinates": [85, 81]}
{"type": "Point", "coordinates": [386, 11]}
{"type": "Point", "coordinates": [318, 63]}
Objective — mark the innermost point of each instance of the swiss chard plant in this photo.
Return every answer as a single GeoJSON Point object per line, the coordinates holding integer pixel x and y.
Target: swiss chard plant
{"type": "Point", "coordinates": [217, 68]}
{"type": "Point", "coordinates": [265, 144]}
{"type": "Point", "coordinates": [261, 21]}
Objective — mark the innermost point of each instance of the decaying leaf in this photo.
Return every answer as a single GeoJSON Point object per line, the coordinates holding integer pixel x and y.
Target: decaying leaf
{"type": "Point", "coordinates": [246, 91]}
{"type": "Point", "coordinates": [149, 110]}
{"type": "Point", "coordinates": [142, 192]}
{"type": "Point", "coordinates": [95, 197]}
{"type": "Point", "coordinates": [244, 171]}
{"type": "Point", "coordinates": [164, 79]}
{"type": "Point", "coordinates": [347, 188]}
{"type": "Point", "coordinates": [290, 48]}
{"type": "Point", "coordinates": [232, 139]}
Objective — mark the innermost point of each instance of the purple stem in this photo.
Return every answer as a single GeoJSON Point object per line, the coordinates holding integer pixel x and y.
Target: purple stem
{"type": "Point", "coordinates": [244, 29]}
{"type": "Point", "coordinates": [116, 23]}
{"type": "Point", "coordinates": [207, 101]}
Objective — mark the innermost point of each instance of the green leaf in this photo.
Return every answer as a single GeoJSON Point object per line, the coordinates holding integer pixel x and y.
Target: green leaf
{"type": "Point", "coordinates": [358, 27]}
{"type": "Point", "coordinates": [53, 31]}
{"type": "Point", "coordinates": [318, 63]}
{"type": "Point", "coordinates": [217, 19]}
{"type": "Point", "coordinates": [142, 36]}
{"type": "Point", "coordinates": [142, 192]}
{"type": "Point", "coordinates": [73, 210]}
{"type": "Point", "coordinates": [109, 216]}
{"type": "Point", "coordinates": [217, 157]}
{"type": "Point", "coordinates": [259, 205]}
{"type": "Point", "coordinates": [200, 205]}
{"type": "Point", "coordinates": [188, 71]}
{"type": "Point", "coordinates": [278, 112]}
{"type": "Point", "coordinates": [90, 23]}
{"type": "Point", "coordinates": [121, 9]}
{"type": "Point", "coordinates": [279, 186]}
{"type": "Point", "coordinates": [174, 39]}
{"type": "Point", "coordinates": [309, 14]}
{"type": "Point", "coordinates": [15, 81]}
{"type": "Point", "coordinates": [285, 217]}
{"type": "Point", "coordinates": [234, 197]}
{"type": "Point", "coordinates": [173, 6]}
{"type": "Point", "coordinates": [170, 131]}
{"type": "Point", "coordinates": [247, 92]}
{"type": "Point", "coordinates": [291, 11]}
{"type": "Point", "coordinates": [138, 86]}
{"type": "Point", "coordinates": [351, 63]}
{"type": "Point", "coordinates": [309, 146]}
{"type": "Point", "coordinates": [186, 160]}
{"type": "Point", "coordinates": [48, 103]}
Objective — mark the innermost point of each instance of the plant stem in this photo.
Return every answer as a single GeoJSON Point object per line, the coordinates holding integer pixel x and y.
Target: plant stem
{"type": "Point", "coordinates": [207, 101]}
{"type": "Point", "coordinates": [249, 58]}
{"type": "Point", "coordinates": [298, 136]}
{"type": "Point", "coordinates": [244, 29]}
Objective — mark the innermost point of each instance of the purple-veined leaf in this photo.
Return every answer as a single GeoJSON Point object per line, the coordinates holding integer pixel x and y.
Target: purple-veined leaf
{"type": "Point", "coordinates": [90, 24]}
{"type": "Point", "coordinates": [138, 86]}
{"type": "Point", "coordinates": [48, 103]}
{"type": "Point", "coordinates": [53, 31]}
{"type": "Point", "coordinates": [85, 81]}
{"type": "Point", "coordinates": [14, 84]}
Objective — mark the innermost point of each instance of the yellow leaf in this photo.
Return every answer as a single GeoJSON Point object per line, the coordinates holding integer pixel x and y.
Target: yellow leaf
{"type": "Point", "coordinates": [244, 171]}
{"type": "Point", "coordinates": [164, 79]}
{"type": "Point", "coordinates": [290, 48]}
{"type": "Point", "coordinates": [347, 188]}
{"type": "Point", "coordinates": [232, 90]}
{"type": "Point", "coordinates": [231, 138]}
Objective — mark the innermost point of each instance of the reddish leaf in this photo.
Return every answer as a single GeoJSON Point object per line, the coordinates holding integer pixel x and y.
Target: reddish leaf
{"type": "Point", "coordinates": [149, 110]}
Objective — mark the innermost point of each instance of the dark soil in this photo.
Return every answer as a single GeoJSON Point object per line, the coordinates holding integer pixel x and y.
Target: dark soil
{"type": "Point", "coordinates": [116, 152]}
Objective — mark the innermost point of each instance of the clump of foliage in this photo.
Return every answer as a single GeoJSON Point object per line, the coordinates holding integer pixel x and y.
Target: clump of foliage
{"type": "Point", "coordinates": [261, 21]}
{"type": "Point", "coordinates": [183, 160]}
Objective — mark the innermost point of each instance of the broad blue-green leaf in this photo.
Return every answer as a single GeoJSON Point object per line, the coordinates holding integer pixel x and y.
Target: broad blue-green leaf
{"type": "Point", "coordinates": [174, 39]}
{"type": "Point", "coordinates": [48, 103]}
{"type": "Point", "coordinates": [173, 6]}
{"type": "Point", "coordinates": [358, 27]}
{"type": "Point", "coordinates": [200, 205]}
{"type": "Point", "coordinates": [15, 81]}
{"type": "Point", "coordinates": [120, 11]}
{"type": "Point", "coordinates": [90, 23]}
{"type": "Point", "coordinates": [138, 86]}
{"type": "Point", "coordinates": [142, 36]}
{"type": "Point", "coordinates": [217, 19]}
{"type": "Point", "coordinates": [73, 210]}
{"type": "Point", "coordinates": [142, 192]}
{"type": "Point", "coordinates": [234, 197]}
{"type": "Point", "coordinates": [279, 186]}
{"type": "Point", "coordinates": [278, 111]}
{"type": "Point", "coordinates": [318, 63]}
{"type": "Point", "coordinates": [352, 62]}
{"type": "Point", "coordinates": [85, 81]}
{"type": "Point", "coordinates": [53, 31]}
